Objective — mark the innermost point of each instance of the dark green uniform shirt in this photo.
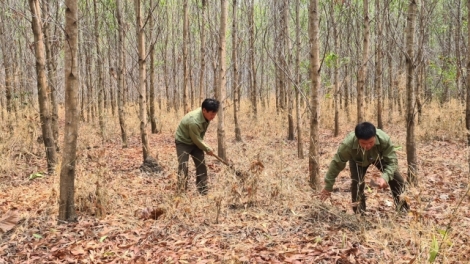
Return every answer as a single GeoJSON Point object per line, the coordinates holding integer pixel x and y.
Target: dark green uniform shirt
{"type": "Point", "coordinates": [349, 150]}
{"type": "Point", "coordinates": [192, 129]}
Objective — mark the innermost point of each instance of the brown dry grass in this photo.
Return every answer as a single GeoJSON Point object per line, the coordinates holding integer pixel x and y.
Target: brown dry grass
{"type": "Point", "coordinates": [276, 217]}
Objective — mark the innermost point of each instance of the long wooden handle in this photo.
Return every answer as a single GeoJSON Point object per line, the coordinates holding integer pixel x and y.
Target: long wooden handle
{"type": "Point", "coordinates": [221, 160]}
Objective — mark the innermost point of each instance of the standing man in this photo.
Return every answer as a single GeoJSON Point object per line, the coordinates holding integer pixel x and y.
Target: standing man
{"type": "Point", "coordinates": [363, 147]}
{"type": "Point", "coordinates": [189, 139]}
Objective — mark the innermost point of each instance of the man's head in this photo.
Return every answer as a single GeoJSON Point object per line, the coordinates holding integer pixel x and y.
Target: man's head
{"type": "Point", "coordinates": [210, 107]}
{"type": "Point", "coordinates": [365, 133]}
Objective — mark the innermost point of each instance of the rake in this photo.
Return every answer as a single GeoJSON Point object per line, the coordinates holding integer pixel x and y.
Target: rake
{"type": "Point", "coordinates": [238, 173]}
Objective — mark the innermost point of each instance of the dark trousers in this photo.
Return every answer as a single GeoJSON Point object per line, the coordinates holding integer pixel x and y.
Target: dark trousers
{"type": "Point", "coordinates": [397, 186]}
{"type": "Point", "coordinates": [183, 151]}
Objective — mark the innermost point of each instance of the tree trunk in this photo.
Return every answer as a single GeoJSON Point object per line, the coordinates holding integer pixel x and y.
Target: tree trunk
{"type": "Point", "coordinates": [202, 69]}
{"type": "Point", "coordinates": [410, 113]}
{"type": "Point", "coordinates": [220, 88]}
{"type": "Point", "coordinates": [335, 69]}
{"type": "Point", "coordinates": [99, 67]}
{"type": "Point", "coordinates": [121, 81]}
{"type": "Point", "coordinates": [69, 158]}
{"type": "Point", "coordinates": [51, 66]}
{"type": "Point", "coordinates": [363, 68]}
{"type": "Point", "coordinates": [185, 56]}
{"type": "Point", "coordinates": [287, 70]}
{"type": "Point", "coordinates": [166, 63]}
{"type": "Point", "coordinates": [174, 68]}
{"type": "Point", "coordinates": [378, 64]}
{"type": "Point", "coordinates": [253, 88]}
{"type": "Point", "coordinates": [142, 80]}
{"type": "Point", "coordinates": [44, 108]}
{"type": "Point", "coordinates": [467, 115]}
{"type": "Point", "coordinates": [153, 117]}
{"type": "Point", "coordinates": [446, 53]}
{"type": "Point", "coordinates": [113, 75]}
{"type": "Point", "coordinates": [390, 87]}
{"type": "Point", "coordinates": [458, 61]}
{"type": "Point", "coordinates": [235, 87]}
{"type": "Point", "coordinates": [347, 68]}
{"type": "Point", "coordinates": [7, 65]}
{"type": "Point", "coordinates": [300, 145]}
{"type": "Point", "coordinates": [420, 68]}
{"type": "Point", "coordinates": [314, 43]}
{"type": "Point", "coordinates": [390, 68]}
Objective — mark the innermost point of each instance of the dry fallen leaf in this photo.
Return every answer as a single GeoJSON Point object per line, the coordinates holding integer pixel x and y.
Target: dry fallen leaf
{"type": "Point", "coordinates": [78, 250]}
{"type": "Point", "coordinates": [9, 220]}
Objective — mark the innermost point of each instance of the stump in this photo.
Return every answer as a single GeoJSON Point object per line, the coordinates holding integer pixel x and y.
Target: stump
{"type": "Point", "coordinates": [150, 165]}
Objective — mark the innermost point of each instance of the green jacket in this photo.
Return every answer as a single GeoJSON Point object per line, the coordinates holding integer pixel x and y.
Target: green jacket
{"type": "Point", "coordinates": [192, 129]}
{"type": "Point", "coordinates": [349, 150]}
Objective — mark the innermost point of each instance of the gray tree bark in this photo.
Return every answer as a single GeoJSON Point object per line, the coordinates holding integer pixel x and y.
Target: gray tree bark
{"type": "Point", "coordinates": [314, 43]}
{"type": "Point", "coordinates": [42, 85]}
{"type": "Point", "coordinates": [361, 78]}
{"type": "Point", "coordinates": [220, 88]}
{"type": "Point", "coordinates": [69, 158]}
{"type": "Point", "coordinates": [120, 74]}
{"type": "Point", "coordinates": [235, 85]}
{"type": "Point", "coordinates": [410, 107]}
{"type": "Point", "coordinates": [140, 33]}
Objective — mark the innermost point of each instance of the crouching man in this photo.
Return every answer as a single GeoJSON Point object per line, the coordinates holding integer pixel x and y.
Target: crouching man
{"type": "Point", "coordinates": [364, 147]}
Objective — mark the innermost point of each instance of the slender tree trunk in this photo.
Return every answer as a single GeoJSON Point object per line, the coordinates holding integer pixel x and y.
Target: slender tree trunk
{"type": "Point", "coordinates": [113, 76]}
{"type": "Point", "coordinates": [121, 69]}
{"type": "Point", "coordinates": [361, 78]}
{"type": "Point", "coordinates": [98, 65]}
{"type": "Point", "coordinates": [390, 87]}
{"type": "Point", "coordinates": [220, 88]}
{"type": "Point", "coordinates": [446, 50]}
{"type": "Point", "coordinates": [335, 69]}
{"type": "Point", "coordinates": [67, 172]}
{"type": "Point", "coordinates": [235, 87]}
{"type": "Point", "coordinates": [142, 80]}
{"type": "Point", "coordinates": [390, 69]}
{"type": "Point", "coordinates": [185, 56]}
{"type": "Point", "coordinates": [467, 113]}
{"type": "Point", "coordinates": [44, 108]}
{"type": "Point", "coordinates": [176, 99]}
{"type": "Point", "coordinates": [166, 63]}
{"type": "Point", "coordinates": [202, 69]}
{"type": "Point", "coordinates": [378, 64]}
{"type": "Point", "coordinates": [253, 88]}
{"type": "Point", "coordinates": [314, 43]}
{"type": "Point", "coordinates": [51, 66]}
{"type": "Point", "coordinates": [153, 117]}
{"type": "Point", "coordinates": [191, 72]}
{"type": "Point", "coordinates": [410, 113]}
{"type": "Point", "coordinates": [419, 58]}
{"type": "Point", "coordinates": [458, 61]}
{"type": "Point", "coordinates": [7, 65]}
{"type": "Point", "coordinates": [347, 94]}
{"type": "Point", "coordinates": [300, 145]}
{"type": "Point", "coordinates": [287, 70]}
{"type": "Point", "coordinates": [87, 103]}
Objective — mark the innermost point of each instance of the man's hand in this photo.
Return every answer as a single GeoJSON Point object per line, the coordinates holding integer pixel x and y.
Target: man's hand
{"type": "Point", "coordinates": [210, 153]}
{"type": "Point", "coordinates": [381, 183]}
{"type": "Point", "coordinates": [324, 195]}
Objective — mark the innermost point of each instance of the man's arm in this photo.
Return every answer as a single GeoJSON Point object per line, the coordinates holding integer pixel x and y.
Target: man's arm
{"type": "Point", "coordinates": [390, 159]}
{"type": "Point", "coordinates": [336, 166]}
{"type": "Point", "coordinates": [195, 136]}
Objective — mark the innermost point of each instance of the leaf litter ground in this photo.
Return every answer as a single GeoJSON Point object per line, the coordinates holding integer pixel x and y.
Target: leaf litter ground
{"type": "Point", "coordinates": [129, 216]}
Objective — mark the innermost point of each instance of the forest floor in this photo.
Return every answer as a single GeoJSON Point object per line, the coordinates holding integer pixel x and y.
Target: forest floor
{"type": "Point", "coordinates": [272, 216]}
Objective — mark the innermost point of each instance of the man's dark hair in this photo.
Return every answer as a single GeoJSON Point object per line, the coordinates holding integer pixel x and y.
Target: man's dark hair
{"type": "Point", "coordinates": [211, 105]}
{"type": "Point", "coordinates": [365, 130]}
